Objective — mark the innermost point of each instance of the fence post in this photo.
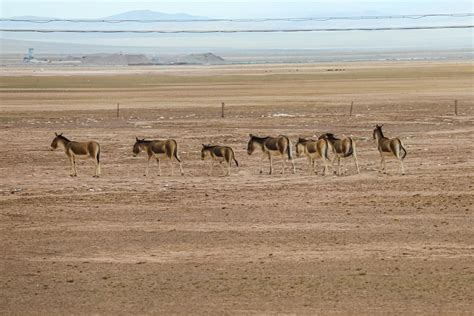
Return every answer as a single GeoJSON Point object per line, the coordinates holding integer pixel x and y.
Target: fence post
{"type": "Point", "coordinates": [352, 105]}
{"type": "Point", "coordinates": [456, 107]}
{"type": "Point", "coordinates": [222, 113]}
{"type": "Point", "coordinates": [118, 110]}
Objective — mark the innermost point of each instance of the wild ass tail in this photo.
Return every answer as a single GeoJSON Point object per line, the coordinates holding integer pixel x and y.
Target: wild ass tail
{"type": "Point", "coordinates": [98, 154]}
{"type": "Point", "coordinates": [233, 157]}
{"type": "Point", "coordinates": [326, 150]}
{"type": "Point", "coordinates": [350, 150]}
{"type": "Point", "coordinates": [288, 148]}
{"type": "Point", "coordinates": [175, 151]}
{"type": "Point", "coordinates": [353, 147]}
{"type": "Point", "coordinates": [404, 150]}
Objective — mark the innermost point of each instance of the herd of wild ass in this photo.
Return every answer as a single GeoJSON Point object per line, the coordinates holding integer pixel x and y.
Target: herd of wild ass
{"type": "Point", "coordinates": [327, 148]}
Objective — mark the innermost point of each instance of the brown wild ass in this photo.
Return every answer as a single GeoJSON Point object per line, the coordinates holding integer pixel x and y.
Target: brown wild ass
{"type": "Point", "coordinates": [270, 146]}
{"type": "Point", "coordinates": [342, 148]}
{"type": "Point", "coordinates": [220, 154]}
{"type": "Point", "coordinates": [389, 146]}
{"type": "Point", "coordinates": [313, 149]}
{"type": "Point", "coordinates": [158, 149]}
{"type": "Point", "coordinates": [78, 150]}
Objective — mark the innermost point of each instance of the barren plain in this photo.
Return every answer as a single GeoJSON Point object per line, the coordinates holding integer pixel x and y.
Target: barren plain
{"type": "Point", "coordinates": [246, 244]}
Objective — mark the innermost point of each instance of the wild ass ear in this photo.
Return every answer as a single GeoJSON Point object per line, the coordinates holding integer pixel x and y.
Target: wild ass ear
{"type": "Point", "coordinates": [136, 138]}
{"type": "Point", "coordinates": [251, 135]}
{"type": "Point", "coordinates": [56, 134]}
{"type": "Point", "coordinates": [204, 146]}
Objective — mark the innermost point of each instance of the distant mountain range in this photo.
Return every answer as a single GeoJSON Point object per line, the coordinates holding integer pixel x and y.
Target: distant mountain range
{"type": "Point", "coordinates": [153, 15]}
{"type": "Point", "coordinates": [130, 15]}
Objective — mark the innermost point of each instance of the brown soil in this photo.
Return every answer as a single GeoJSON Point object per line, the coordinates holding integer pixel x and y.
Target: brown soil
{"type": "Point", "coordinates": [248, 243]}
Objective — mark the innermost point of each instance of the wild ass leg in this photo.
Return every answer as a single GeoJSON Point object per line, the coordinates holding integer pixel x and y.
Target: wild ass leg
{"type": "Point", "coordinates": [172, 166]}
{"type": "Point", "coordinates": [400, 159]}
{"type": "Point", "coordinates": [212, 165]}
{"type": "Point", "coordinates": [75, 166]}
{"type": "Point", "coordinates": [71, 160]}
{"type": "Point", "coordinates": [333, 161]}
{"type": "Point", "coordinates": [310, 165]}
{"type": "Point", "coordinates": [159, 166]}
{"type": "Point", "coordinates": [180, 167]}
{"type": "Point", "coordinates": [97, 168]}
{"type": "Point", "coordinates": [228, 162]}
{"type": "Point", "coordinates": [283, 163]}
{"type": "Point", "coordinates": [293, 166]}
{"type": "Point", "coordinates": [271, 163]}
{"type": "Point", "coordinates": [357, 164]}
{"type": "Point", "coordinates": [264, 156]}
{"type": "Point", "coordinates": [325, 166]}
{"type": "Point", "coordinates": [223, 168]}
{"type": "Point", "coordinates": [338, 165]}
{"type": "Point", "coordinates": [382, 162]}
{"type": "Point", "coordinates": [147, 166]}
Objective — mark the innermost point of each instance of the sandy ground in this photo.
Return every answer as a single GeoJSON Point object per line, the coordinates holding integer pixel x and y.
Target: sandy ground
{"type": "Point", "coordinates": [248, 243]}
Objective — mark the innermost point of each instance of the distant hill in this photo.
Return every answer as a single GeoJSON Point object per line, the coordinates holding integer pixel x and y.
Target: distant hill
{"type": "Point", "coordinates": [190, 59]}
{"type": "Point", "coordinates": [31, 17]}
{"type": "Point", "coordinates": [140, 59]}
{"type": "Point", "coordinates": [129, 15]}
{"type": "Point", "coordinates": [120, 59]}
{"type": "Point", "coordinates": [152, 15]}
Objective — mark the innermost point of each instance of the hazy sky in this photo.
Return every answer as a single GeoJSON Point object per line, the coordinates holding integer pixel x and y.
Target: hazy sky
{"type": "Point", "coordinates": [228, 9]}
{"type": "Point", "coordinates": [254, 9]}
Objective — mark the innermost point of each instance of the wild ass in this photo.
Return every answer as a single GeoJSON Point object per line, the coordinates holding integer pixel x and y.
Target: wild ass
{"type": "Point", "coordinates": [390, 146]}
{"type": "Point", "coordinates": [220, 154]}
{"type": "Point", "coordinates": [78, 150]}
{"type": "Point", "coordinates": [342, 148]}
{"type": "Point", "coordinates": [270, 146]}
{"type": "Point", "coordinates": [313, 149]}
{"type": "Point", "coordinates": [158, 149]}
